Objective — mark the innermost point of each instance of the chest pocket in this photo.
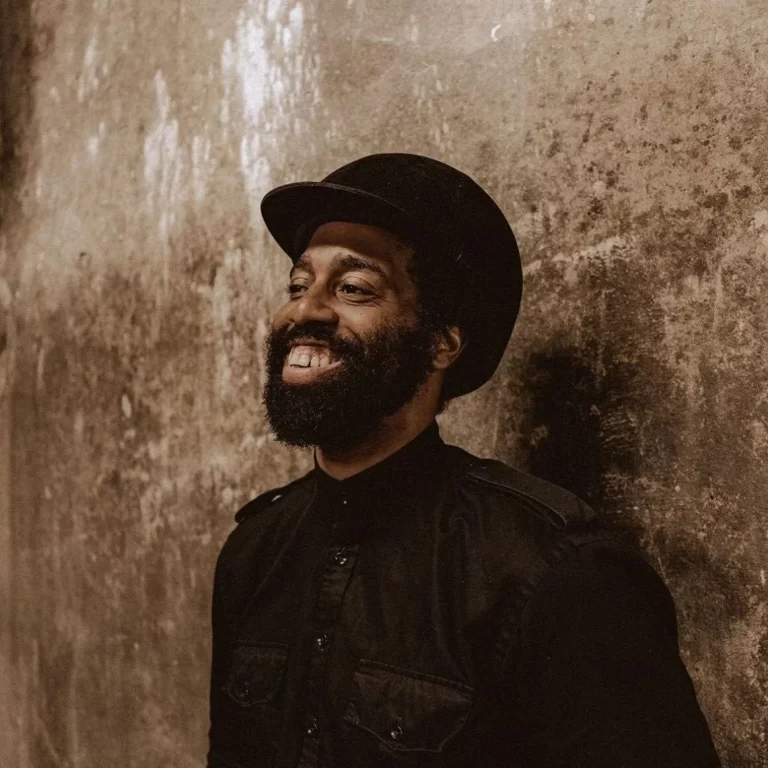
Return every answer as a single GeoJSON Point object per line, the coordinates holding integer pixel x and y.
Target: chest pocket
{"type": "Point", "coordinates": [256, 674]}
{"type": "Point", "coordinates": [248, 706]}
{"type": "Point", "coordinates": [397, 717]}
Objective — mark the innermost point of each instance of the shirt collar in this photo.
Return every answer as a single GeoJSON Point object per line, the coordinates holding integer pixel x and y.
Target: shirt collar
{"type": "Point", "coordinates": [395, 474]}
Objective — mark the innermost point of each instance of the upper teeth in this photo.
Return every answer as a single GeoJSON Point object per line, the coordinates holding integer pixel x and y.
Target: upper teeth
{"type": "Point", "coordinates": [307, 356]}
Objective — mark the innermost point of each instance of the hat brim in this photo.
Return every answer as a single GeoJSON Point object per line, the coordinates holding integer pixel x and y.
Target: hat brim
{"type": "Point", "coordinates": [293, 212]}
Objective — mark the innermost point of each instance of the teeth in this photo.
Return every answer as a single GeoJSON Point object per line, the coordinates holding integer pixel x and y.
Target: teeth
{"type": "Point", "coordinates": [308, 356]}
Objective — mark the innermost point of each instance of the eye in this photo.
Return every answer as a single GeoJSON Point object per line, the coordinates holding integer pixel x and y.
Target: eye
{"type": "Point", "coordinates": [296, 289]}
{"type": "Point", "coordinates": [351, 288]}
{"type": "Point", "coordinates": [354, 292]}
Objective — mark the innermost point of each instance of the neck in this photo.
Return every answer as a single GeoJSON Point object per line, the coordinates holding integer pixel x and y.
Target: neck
{"type": "Point", "coordinates": [394, 432]}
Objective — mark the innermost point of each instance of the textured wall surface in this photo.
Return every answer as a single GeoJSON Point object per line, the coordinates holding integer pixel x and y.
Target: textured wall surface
{"type": "Point", "coordinates": [625, 139]}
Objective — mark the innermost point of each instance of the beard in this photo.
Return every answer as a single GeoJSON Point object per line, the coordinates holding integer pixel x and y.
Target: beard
{"type": "Point", "coordinates": [377, 376]}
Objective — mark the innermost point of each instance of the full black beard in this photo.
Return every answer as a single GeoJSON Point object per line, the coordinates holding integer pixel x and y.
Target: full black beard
{"type": "Point", "coordinates": [375, 379]}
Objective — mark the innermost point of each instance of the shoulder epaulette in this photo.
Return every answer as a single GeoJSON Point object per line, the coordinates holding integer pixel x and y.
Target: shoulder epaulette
{"type": "Point", "coordinates": [562, 507]}
{"type": "Point", "coordinates": [264, 500]}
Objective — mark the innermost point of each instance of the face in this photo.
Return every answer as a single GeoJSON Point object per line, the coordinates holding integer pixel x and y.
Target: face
{"type": "Point", "coordinates": [348, 347]}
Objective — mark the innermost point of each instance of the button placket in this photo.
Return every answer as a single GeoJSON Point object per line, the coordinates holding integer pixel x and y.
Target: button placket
{"type": "Point", "coordinates": [310, 748]}
{"type": "Point", "coordinates": [334, 579]}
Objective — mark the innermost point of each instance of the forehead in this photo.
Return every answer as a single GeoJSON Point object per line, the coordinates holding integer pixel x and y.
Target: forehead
{"type": "Point", "coordinates": [364, 240]}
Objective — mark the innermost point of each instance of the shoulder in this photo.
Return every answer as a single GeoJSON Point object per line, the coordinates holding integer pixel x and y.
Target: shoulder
{"type": "Point", "coordinates": [288, 493]}
{"type": "Point", "coordinates": [521, 526]}
{"type": "Point", "coordinates": [563, 557]}
{"type": "Point", "coordinates": [263, 525]}
{"type": "Point", "coordinates": [267, 519]}
{"type": "Point", "coordinates": [512, 491]}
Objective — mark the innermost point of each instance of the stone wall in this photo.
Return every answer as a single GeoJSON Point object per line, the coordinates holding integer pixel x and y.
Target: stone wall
{"type": "Point", "coordinates": [626, 141]}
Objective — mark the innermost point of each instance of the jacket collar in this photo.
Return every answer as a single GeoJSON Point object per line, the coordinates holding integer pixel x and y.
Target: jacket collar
{"type": "Point", "coordinates": [397, 474]}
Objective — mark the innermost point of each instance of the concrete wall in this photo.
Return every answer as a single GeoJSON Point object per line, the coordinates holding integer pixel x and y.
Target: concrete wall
{"type": "Point", "coordinates": [626, 141]}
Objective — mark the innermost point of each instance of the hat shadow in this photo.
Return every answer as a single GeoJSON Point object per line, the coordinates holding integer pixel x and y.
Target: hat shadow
{"type": "Point", "coordinates": [577, 430]}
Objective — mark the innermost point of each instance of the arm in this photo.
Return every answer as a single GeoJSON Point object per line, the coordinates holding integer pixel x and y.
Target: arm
{"type": "Point", "coordinates": [599, 681]}
{"type": "Point", "coordinates": [219, 652]}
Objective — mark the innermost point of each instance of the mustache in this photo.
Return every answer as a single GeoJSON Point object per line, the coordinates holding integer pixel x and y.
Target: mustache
{"type": "Point", "coordinates": [280, 340]}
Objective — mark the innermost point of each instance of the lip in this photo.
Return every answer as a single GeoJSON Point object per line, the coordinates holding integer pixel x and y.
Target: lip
{"type": "Point", "coordinates": [293, 374]}
{"type": "Point", "coordinates": [307, 343]}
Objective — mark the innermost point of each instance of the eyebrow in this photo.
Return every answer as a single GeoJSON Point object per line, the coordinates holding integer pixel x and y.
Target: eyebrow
{"type": "Point", "coordinates": [344, 261]}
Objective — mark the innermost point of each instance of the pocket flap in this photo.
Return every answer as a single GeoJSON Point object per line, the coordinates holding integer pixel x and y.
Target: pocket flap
{"type": "Point", "coordinates": [256, 673]}
{"type": "Point", "coordinates": [407, 711]}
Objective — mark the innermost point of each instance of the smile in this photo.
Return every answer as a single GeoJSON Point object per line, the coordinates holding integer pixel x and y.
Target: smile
{"type": "Point", "coordinates": [306, 362]}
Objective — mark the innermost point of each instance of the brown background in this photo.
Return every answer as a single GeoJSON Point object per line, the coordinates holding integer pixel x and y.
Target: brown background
{"type": "Point", "coordinates": [625, 139]}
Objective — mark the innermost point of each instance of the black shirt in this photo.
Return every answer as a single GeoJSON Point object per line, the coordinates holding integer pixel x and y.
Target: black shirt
{"type": "Point", "coordinates": [439, 610]}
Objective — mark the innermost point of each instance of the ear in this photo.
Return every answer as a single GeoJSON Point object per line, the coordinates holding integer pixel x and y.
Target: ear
{"type": "Point", "coordinates": [448, 346]}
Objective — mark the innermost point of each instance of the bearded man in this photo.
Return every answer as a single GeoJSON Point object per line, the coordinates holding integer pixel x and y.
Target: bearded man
{"type": "Point", "coordinates": [406, 603]}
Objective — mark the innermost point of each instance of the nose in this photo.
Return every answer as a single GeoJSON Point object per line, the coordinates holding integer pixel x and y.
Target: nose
{"type": "Point", "coordinates": [314, 305]}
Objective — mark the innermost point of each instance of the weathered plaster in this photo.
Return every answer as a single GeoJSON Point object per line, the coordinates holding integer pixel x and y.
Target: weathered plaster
{"type": "Point", "coordinates": [626, 142]}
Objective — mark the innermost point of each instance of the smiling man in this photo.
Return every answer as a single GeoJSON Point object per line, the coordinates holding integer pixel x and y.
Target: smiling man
{"type": "Point", "coordinates": [406, 603]}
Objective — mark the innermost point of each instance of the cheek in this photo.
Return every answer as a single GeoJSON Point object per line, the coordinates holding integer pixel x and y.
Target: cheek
{"type": "Point", "coordinates": [365, 323]}
{"type": "Point", "coordinates": [358, 318]}
{"type": "Point", "coordinates": [408, 307]}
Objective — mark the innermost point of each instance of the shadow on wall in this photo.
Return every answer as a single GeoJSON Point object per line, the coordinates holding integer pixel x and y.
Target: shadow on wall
{"type": "Point", "coordinates": [17, 53]}
{"type": "Point", "coordinates": [599, 420]}
{"type": "Point", "coordinates": [561, 430]}
{"type": "Point", "coordinates": [580, 430]}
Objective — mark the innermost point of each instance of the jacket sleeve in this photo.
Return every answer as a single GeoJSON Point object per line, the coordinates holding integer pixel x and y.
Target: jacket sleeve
{"type": "Point", "coordinates": [598, 680]}
{"type": "Point", "coordinates": [219, 654]}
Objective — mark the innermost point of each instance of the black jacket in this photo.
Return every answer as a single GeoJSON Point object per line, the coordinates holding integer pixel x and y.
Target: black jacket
{"type": "Point", "coordinates": [442, 610]}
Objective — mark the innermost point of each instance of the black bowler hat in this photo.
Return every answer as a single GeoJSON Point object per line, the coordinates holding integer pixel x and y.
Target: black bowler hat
{"type": "Point", "coordinates": [449, 218]}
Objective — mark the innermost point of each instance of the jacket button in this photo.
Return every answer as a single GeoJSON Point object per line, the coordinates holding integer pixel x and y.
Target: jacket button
{"type": "Point", "coordinates": [312, 726]}
{"type": "Point", "coordinates": [242, 691]}
{"type": "Point", "coordinates": [321, 641]}
{"type": "Point", "coordinates": [340, 557]}
{"type": "Point", "coordinates": [396, 733]}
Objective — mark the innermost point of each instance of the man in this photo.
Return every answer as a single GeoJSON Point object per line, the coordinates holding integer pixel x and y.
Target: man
{"type": "Point", "coordinates": [406, 603]}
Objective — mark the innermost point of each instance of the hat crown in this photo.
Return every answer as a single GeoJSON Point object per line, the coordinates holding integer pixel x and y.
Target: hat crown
{"type": "Point", "coordinates": [428, 191]}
